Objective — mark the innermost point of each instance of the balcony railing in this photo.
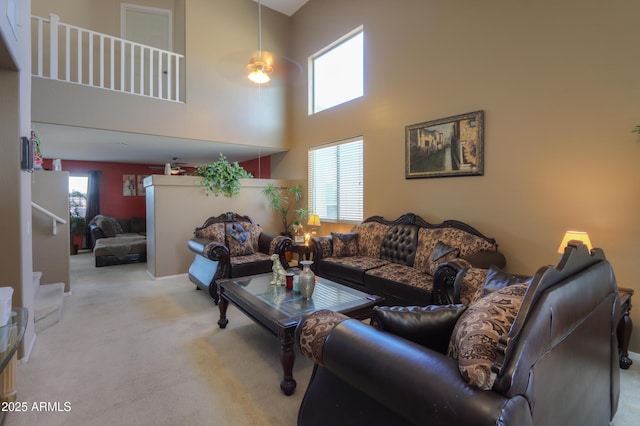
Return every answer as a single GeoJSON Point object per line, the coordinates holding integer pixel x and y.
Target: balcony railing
{"type": "Point", "coordinates": [76, 55]}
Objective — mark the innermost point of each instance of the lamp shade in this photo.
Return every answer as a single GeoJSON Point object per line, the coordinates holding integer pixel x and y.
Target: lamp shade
{"type": "Point", "coordinates": [575, 235]}
{"type": "Point", "coordinates": [314, 220]}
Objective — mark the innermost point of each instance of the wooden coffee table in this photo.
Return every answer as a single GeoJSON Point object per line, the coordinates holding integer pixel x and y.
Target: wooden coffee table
{"type": "Point", "coordinates": [280, 310]}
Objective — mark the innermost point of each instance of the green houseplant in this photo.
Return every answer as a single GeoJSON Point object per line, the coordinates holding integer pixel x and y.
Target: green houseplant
{"type": "Point", "coordinates": [77, 222]}
{"type": "Point", "coordinates": [636, 129]}
{"type": "Point", "coordinates": [222, 177]}
{"type": "Point", "coordinates": [286, 200]}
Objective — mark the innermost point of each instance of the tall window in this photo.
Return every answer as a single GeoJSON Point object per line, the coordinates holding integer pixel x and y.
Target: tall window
{"type": "Point", "coordinates": [78, 195]}
{"type": "Point", "coordinates": [336, 181]}
{"type": "Point", "coordinates": [337, 72]}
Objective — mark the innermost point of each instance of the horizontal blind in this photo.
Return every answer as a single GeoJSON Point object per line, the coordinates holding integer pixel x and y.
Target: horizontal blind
{"type": "Point", "coordinates": [336, 181]}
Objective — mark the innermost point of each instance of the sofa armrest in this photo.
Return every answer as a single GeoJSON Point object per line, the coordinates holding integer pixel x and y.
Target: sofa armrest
{"type": "Point", "coordinates": [416, 383]}
{"type": "Point", "coordinates": [322, 247]}
{"type": "Point", "coordinates": [211, 250]}
{"type": "Point", "coordinates": [275, 244]}
{"type": "Point", "coordinates": [96, 232]}
{"type": "Point", "coordinates": [429, 326]}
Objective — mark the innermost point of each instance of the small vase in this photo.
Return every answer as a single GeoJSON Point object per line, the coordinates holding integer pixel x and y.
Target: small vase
{"type": "Point", "coordinates": [307, 279]}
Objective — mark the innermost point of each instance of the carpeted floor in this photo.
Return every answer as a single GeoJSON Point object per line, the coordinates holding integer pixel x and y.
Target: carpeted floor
{"type": "Point", "coordinates": [131, 350]}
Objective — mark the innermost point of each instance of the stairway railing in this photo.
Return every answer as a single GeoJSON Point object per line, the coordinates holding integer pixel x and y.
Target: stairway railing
{"type": "Point", "coordinates": [81, 56]}
{"type": "Point", "coordinates": [55, 218]}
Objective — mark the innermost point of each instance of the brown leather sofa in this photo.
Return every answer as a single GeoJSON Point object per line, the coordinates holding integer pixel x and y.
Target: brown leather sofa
{"type": "Point", "coordinates": [554, 362]}
{"type": "Point", "coordinates": [399, 259]}
{"type": "Point", "coordinates": [231, 245]}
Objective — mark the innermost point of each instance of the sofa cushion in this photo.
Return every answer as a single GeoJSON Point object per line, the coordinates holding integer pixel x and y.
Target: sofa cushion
{"type": "Point", "coordinates": [402, 274]}
{"type": "Point", "coordinates": [496, 279]}
{"type": "Point", "coordinates": [110, 226]}
{"type": "Point", "coordinates": [399, 244]}
{"type": "Point", "coordinates": [239, 240]}
{"type": "Point", "coordinates": [370, 238]}
{"type": "Point", "coordinates": [345, 245]}
{"type": "Point", "coordinates": [475, 337]}
{"type": "Point", "coordinates": [213, 232]}
{"type": "Point", "coordinates": [350, 269]}
{"type": "Point", "coordinates": [441, 253]}
{"type": "Point", "coordinates": [453, 237]}
{"type": "Point", "coordinates": [138, 225]}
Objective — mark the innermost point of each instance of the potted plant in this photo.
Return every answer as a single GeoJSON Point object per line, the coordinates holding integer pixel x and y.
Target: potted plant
{"type": "Point", "coordinates": [77, 221]}
{"type": "Point", "coordinates": [286, 200]}
{"type": "Point", "coordinates": [636, 129]}
{"type": "Point", "coordinates": [222, 177]}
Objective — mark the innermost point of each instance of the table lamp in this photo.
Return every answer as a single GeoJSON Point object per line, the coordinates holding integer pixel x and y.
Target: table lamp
{"type": "Point", "coordinates": [577, 236]}
{"type": "Point", "coordinates": [314, 220]}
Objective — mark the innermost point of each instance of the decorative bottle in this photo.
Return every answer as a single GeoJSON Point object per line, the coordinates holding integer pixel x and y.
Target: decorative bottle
{"type": "Point", "coordinates": [307, 279]}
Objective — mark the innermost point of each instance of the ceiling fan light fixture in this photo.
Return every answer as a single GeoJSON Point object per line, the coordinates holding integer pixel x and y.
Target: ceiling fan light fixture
{"type": "Point", "coordinates": [259, 71]}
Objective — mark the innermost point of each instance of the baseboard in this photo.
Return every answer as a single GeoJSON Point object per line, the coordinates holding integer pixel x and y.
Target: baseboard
{"type": "Point", "coordinates": [28, 348]}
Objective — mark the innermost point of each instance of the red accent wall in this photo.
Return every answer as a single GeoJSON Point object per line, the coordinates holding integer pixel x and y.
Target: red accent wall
{"type": "Point", "coordinates": [112, 201]}
{"type": "Point", "coordinates": [260, 168]}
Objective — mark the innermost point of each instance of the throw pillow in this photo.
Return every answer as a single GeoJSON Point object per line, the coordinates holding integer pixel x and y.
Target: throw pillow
{"type": "Point", "coordinates": [496, 279]}
{"type": "Point", "coordinates": [441, 253]}
{"type": "Point", "coordinates": [474, 340]}
{"type": "Point", "coordinates": [345, 245]}
{"type": "Point", "coordinates": [429, 326]}
{"type": "Point", "coordinates": [213, 232]}
{"type": "Point", "coordinates": [238, 240]}
{"type": "Point", "coordinates": [107, 226]}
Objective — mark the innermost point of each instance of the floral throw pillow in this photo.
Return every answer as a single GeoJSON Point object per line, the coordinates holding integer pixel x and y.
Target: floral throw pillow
{"type": "Point", "coordinates": [239, 240]}
{"type": "Point", "coordinates": [345, 245]}
{"type": "Point", "coordinates": [474, 340]}
{"type": "Point", "coordinates": [441, 253]}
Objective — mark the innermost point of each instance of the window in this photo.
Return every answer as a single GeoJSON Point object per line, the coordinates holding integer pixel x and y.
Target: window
{"type": "Point", "coordinates": [78, 195]}
{"type": "Point", "coordinates": [336, 73]}
{"type": "Point", "coordinates": [335, 181]}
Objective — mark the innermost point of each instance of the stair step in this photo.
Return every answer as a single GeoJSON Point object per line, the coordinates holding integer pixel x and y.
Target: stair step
{"type": "Point", "coordinates": [37, 275]}
{"type": "Point", "coordinates": [48, 305]}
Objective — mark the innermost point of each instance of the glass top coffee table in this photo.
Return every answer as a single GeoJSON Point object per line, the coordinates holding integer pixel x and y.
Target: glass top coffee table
{"type": "Point", "coordinates": [279, 310]}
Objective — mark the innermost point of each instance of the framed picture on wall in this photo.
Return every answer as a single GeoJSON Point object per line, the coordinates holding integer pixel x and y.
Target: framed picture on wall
{"type": "Point", "coordinates": [128, 185]}
{"type": "Point", "coordinates": [140, 180]}
{"type": "Point", "coordinates": [451, 146]}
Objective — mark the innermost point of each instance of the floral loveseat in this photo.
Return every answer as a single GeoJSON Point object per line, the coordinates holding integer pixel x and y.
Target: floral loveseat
{"type": "Point", "coordinates": [229, 246]}
{"type": "Point", "coordinates": [400, 259]}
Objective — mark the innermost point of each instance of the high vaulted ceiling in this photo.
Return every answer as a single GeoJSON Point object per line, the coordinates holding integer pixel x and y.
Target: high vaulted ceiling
{"type": "Point", "coordinates": [77, 143]}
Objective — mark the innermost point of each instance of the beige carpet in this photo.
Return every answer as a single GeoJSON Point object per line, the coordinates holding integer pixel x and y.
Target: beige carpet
{"type": "Point", "coordinates": [131, 350]}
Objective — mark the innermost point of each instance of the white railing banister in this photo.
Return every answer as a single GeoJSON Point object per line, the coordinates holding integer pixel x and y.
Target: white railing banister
{"type": "Point", "coordinates": [136, 69]}
{"type": "Point", "coordinates": [55, 219]}
{"type": "Point", "coordinates": [53, 45]}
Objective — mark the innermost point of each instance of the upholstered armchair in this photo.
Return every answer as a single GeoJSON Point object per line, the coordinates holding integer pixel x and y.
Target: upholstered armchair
{"type": "Point", "coordinates": [535, 352]}
{"type": "Point", "coordinates": [229, 246]}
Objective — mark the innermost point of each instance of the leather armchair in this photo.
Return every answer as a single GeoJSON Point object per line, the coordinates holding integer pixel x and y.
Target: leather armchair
{"type": "Point", "coordinates": [219, 255]}
{"type": "Point", "coordinates": [556, 364]}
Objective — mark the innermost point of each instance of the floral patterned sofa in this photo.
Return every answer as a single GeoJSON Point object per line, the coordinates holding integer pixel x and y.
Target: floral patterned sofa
{"type": "Point", "coordinates": [231, 245]}
{"type": "Point", "coordinates": [400, 259]}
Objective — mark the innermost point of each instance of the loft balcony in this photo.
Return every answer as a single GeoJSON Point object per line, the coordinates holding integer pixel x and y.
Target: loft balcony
{"type": "Point", "coordinates": [81, 56]}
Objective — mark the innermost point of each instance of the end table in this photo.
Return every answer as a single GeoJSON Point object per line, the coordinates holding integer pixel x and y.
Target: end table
{"type": "Point", "coordinates": [624, 326]}
{"type": "Point", "coordinates": [303, 251]}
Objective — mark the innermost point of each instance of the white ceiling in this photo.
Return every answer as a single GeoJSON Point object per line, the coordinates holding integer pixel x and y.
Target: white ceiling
{"type": "Point", "coordinates": [77, 143]}
{"type": "Point", "coordinates": [288, 7]}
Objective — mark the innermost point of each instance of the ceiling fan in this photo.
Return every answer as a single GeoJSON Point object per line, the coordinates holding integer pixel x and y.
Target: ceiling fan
{"type": "Point", "coordinates": [175, 167]}
{"type": "Point", "coordinates": [262, 67]}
